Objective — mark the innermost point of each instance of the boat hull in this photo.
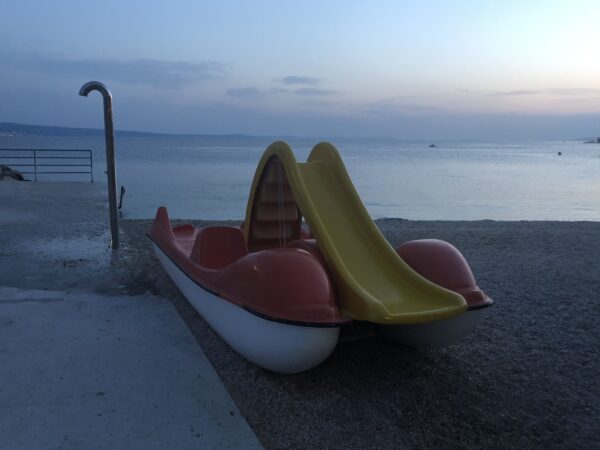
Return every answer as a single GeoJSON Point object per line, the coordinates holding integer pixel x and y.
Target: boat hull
{"type": "Point", "coordinates": [273, 345]}
{"type": "Point", "coordinates": [439, 333]}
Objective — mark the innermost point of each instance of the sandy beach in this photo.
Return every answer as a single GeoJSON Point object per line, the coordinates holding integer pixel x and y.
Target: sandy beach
{"type": "Point", "coordinates": [528, 377]}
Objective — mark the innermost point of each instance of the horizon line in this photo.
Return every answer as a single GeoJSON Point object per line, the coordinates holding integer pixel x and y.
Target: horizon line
{"type": "Point", "coordinates": [259, 136]}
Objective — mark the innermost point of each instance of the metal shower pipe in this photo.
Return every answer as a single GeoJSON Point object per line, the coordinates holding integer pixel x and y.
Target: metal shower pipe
{"type": "Point", "coordinates": [110, 155]}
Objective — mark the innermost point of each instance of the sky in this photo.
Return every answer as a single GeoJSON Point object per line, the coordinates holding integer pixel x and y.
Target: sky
{"type": "Point", "coordinates": [410, 70]}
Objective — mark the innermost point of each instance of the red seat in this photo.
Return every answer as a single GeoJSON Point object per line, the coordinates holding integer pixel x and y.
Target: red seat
{"type": "Point", "coordinates": [218, 247]}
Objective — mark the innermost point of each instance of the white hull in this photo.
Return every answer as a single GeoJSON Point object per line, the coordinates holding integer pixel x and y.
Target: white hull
{"type": "Point", "coordinates": [272, 345]}
{"type": "Point", "coordinates": [434, 334]}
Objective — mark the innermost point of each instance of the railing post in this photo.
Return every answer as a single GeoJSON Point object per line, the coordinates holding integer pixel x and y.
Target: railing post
{"type": "Point", "coordinates": [35, 164]}
{"type": "Point", "coordinates": [110, 155]}
{"type": "Point", "coordinates": [91, 167]}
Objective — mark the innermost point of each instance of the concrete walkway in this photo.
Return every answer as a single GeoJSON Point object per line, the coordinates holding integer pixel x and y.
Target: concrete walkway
{"type": "Point", "coordinates": [82, 363]}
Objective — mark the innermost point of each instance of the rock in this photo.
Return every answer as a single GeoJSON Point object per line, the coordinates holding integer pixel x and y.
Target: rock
{"type": "Point", "coordinates": [8, 174]}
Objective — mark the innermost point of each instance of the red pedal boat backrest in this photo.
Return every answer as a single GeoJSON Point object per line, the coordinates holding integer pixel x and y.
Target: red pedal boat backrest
{"type": "Point", "coordinates": [218, 247]}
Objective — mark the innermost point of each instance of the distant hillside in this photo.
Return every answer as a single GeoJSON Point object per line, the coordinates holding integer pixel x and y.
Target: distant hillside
{"type": "Point", "coordinates": [19, 129]}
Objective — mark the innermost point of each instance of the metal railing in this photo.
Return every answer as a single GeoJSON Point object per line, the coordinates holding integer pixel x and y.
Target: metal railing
{"type": "Point", "coordinates": [48, 161]}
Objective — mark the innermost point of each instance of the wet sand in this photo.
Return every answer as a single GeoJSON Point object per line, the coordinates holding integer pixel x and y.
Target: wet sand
{"type": "Point", "coordinates": [528, 377]}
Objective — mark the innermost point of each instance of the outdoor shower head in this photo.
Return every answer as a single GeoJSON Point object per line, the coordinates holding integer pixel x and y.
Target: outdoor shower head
{"type": "Point", "coordinates": [94, 86]}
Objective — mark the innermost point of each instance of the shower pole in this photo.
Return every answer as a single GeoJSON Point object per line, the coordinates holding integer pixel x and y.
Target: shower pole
{"type": "Point", "coordinates": [110, 155]}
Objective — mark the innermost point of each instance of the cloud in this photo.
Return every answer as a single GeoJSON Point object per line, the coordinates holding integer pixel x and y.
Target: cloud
{"type": "Point", "coordinates": [415, 105]}
{"type": "Point", "coordinates": [278, 91]}
{"type": "Point", "coordinates": [161, 74]}
{"type": "Point", "coordinates": [314, 92]}
{"type": "Point", "coordinates": [293, 79]}
{"type": "Point", "coordinates": [527, 92]}
{"type": "Point", "coordinates": [254, 93]}
{"type": "Point", "coordinates": [246, 93]}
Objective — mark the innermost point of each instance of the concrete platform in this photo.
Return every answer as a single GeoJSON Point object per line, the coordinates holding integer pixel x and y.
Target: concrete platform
{"type": "Point", "coordinates": [85, 363]}
{"type": "Point", "coordinates": [88, 371]}
{"type": "Point", "coordinates": [55, 236]}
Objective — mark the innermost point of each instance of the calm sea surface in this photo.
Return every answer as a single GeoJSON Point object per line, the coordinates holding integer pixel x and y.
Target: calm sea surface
{"type": "Point", "coordinates": [210, 177]}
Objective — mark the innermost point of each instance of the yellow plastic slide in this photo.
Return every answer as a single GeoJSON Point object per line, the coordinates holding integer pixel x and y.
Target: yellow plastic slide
{"type": "Point", "coordinates": [372, 282]}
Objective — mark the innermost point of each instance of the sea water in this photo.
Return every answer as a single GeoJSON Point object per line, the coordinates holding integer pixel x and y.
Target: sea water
{"type": "Point", "coordinates": [209, 177]}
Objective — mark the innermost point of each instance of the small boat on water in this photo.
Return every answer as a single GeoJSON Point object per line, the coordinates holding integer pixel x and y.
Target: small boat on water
{"type": "Point", "coordinates": [309, 259]}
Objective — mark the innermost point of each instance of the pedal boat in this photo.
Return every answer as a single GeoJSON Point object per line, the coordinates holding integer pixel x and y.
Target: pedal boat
{"type": "Point", "coordinates": [443, 264]}
{"type": "Point", "coordinates": [308, 259]}
{"type": "Point", "coordinates": [274, 307]}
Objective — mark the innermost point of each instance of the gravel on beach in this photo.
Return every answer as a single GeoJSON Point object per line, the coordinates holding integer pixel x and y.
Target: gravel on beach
{"type": "Point", "coordinates": [528, 377]}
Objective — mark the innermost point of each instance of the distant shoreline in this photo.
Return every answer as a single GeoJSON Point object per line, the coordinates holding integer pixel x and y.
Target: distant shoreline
{"type": "Point", "coordinates": [13, 129]}
{"type": "Point", "coordinates": [9, 129]}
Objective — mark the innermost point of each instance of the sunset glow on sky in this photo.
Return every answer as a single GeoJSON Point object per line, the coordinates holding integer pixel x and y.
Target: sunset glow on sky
{"type": "Point", "coordinates": [383, 68]}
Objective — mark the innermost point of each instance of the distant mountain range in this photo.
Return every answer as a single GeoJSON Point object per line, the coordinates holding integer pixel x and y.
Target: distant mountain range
{"type": "Point", "coordinates": [20, 129]}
